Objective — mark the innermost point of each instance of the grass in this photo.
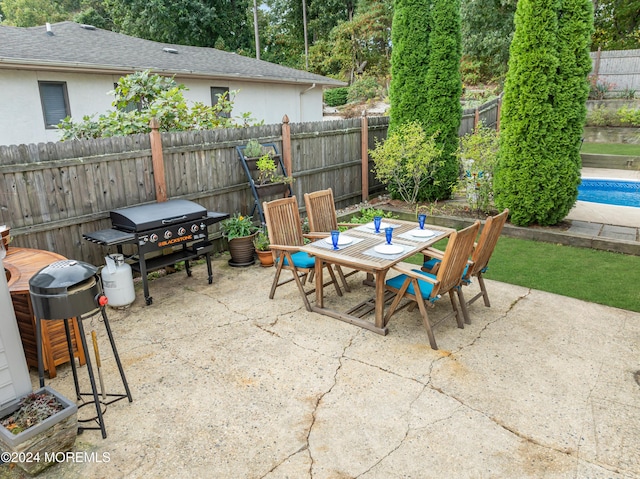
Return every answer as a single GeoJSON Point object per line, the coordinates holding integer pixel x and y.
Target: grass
{"type": "Point", "coordinates": [597, 276]}
{"type": "Point", "coordinates": [611, 148]}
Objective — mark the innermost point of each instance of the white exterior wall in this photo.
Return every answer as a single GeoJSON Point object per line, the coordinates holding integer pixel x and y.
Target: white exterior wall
{"type": "Point", "coordinates": [22, 119]}
{"type": "Point", "coordinates": [265, 101]}
{"type": "Point", "coordinates": [21, 116]}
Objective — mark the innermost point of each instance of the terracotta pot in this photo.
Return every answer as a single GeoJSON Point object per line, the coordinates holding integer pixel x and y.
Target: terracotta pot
{"type": "Point", "coordinates": [242, 251]}
{"type": "Point", "coordinates": [265, 257]}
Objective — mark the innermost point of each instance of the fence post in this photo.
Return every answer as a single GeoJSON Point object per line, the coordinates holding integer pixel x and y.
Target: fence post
{"type": "Point", "coordinates": [476, 120]}
{"type": "Point", "coordinates": [498, 111]}
{"type": "Point", "coordinates": [596, 67]}
{"type": "Point", "coordinates": [286, 145]}
{"type": "Point", "coordinates": [157, 161]}
{"type": "Point", "coordinates": [364, 155]}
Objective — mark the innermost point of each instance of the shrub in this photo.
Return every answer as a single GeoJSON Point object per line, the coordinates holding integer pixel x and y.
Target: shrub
{"type": "Point", "coordinates": [336, 96]}
{"type": "Point", "coordinates": [628, 116]}
{"type": "Point", "coordinates": [367, 214]}
{"type": "Point", "coordinates": [406, 161]}
{"type": "Point", "coordinates": [478, 154]}
{"type": "Point", "coordinates": [363, 89]}
{"type": "Point", "coordinates": [599, 89]}
{"type": "Point", "coordinates": [156, 97]}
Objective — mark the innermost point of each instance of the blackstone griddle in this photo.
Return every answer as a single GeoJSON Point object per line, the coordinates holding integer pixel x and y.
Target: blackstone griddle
{"type": "Point", "coordinates": [157, 226]}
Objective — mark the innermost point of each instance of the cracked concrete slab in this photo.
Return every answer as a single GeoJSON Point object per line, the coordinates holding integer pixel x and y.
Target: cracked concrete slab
{"type": "Point", "coordinates": [229, 384]}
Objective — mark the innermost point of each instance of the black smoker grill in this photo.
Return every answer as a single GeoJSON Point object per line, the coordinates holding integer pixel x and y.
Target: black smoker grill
{"type": "Point", "coordinates": [158, 226]}
{"type": "Point", "coordinates": [67, 289]}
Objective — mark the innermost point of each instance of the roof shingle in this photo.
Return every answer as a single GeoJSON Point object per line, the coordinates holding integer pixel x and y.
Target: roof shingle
{"type": "Point", "coordinates": [71, 46]}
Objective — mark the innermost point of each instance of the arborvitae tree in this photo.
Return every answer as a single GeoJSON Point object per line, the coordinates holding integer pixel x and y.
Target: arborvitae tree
{"type": "Point", "coordinates": [442, 110]}
{"type": "Point", "coordinates": [542, 114]}
{"type": "Point", "coordinates": [409, 61]}
{"type": "Point", "coordinates": [575, 25]}
{"type": "Point", "coordinates": [425, 80]}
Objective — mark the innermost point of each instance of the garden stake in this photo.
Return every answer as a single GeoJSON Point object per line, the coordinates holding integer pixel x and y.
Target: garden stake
{"type": "Point", "coordinates": [97, 353]}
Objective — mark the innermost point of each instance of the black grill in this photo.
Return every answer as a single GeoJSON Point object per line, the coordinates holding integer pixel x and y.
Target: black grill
{"type": "Point", "coordinates": [157, 226]}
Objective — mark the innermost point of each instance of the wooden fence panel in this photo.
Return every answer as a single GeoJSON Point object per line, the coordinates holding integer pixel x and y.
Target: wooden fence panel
{"type": "Point", "coordinates": [52, 193]}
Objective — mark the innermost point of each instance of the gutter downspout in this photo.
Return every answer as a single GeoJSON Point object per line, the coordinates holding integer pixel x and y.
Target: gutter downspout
{"type": "Point", "coordinates": [300, 102]}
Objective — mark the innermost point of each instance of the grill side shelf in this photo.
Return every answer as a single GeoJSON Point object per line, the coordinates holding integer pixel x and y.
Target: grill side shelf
{"type": "Point", "coordinates": [110, 237]}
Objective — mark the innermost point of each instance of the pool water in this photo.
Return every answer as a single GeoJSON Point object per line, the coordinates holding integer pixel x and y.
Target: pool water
{"type": "Point", "coordinates": [610, 192]}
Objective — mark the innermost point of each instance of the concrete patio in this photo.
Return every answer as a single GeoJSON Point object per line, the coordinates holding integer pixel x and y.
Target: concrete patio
{"type": "Point", "coordinates": [229, 384]}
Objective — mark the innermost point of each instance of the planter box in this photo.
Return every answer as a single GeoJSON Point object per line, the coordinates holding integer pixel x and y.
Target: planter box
{"type": "Point", "coordinates": [34, 448]}
{"type": "Point", "coordinates": [272, 189]}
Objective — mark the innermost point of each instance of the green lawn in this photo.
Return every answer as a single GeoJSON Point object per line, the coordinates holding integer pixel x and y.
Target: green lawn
{"type": "Point", "coordinates": [611, 148]}
{"type": "Point", "coordinates": [602, 277]}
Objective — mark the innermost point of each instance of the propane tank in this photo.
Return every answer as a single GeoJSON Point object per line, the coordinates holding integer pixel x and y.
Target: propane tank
{"type": "Point", "coordinates": [117, 281]}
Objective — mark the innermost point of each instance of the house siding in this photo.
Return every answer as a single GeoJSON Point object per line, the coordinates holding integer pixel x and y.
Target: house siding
{"type": "Point", "coordinates": [22, 120]}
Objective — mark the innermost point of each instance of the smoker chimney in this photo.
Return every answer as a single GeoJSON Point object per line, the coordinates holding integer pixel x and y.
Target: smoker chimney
{"type": "Point", "coordinates": [49, 31]}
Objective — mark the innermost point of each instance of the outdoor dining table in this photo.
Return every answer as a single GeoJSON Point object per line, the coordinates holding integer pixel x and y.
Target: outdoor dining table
{"type": "Point", "coordinates": [360, 253]}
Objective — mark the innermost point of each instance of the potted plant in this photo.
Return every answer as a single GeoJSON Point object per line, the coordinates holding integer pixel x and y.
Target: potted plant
{"type": "Point", "coordinates": [36, 427]}
{"type": "Point", "coordinates": [261, 244]}
{"type": "Point", "coordinates": [269, 181]}
{"type": "Point", "coordinates": [240, 231]}
{"type": "Point", "coordinates": [253, 149]}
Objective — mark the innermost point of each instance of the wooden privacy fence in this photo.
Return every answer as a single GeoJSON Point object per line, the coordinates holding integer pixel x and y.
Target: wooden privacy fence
{"type": "Point", "coordinates": [52, 193]}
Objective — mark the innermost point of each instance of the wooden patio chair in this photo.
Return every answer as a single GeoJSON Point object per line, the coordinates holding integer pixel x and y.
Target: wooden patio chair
{"type": "Point", "coordinates": [321, 213]}
{"type": "Point", "coordinates": [480, 257]}
{"type": "Point", "coordinates": [425, 288]}
{"type": "Point", "coordinates": [285, 235]}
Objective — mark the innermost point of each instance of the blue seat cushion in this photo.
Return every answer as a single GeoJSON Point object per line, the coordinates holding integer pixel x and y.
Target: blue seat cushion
{"type": "Point", "coordinates": [431, 263]}
{"type": "Point", "coordinates": [434, 261]}
{"type": "Point", "coordinates": [301, 260]}
{"type": "Point", "coordinates": [425, 287]}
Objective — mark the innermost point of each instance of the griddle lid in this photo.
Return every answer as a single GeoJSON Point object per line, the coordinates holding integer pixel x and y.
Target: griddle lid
{"type": "Point", "coordinates": [156, 215]}
{"type": "Point", "coordinates": [59, 277]}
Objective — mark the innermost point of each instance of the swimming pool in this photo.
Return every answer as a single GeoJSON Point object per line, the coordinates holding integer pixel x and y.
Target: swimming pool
{"type": "Point", "coordinates": [610, 192]}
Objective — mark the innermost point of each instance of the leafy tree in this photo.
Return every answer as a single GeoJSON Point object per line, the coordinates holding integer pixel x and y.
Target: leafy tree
{"type": "Point", "coordinates": [204, 23]}
{"type": "Point", "coordinates": [617, 24]}
{"type": "Point", "coordinates": [29, 13]}
{"type": "Point", "coordinates": [487, 29]}
{"type": "Point", "coordinates": [324, 15]}
{"type": "Point", "coordinates": [96, 13]}
{"type": "Point", "coordinates": [155, 97]}
{"type": "Point", "coordinates": [537, 172]}
{"type": "Point", "coordinates": [357, 46]}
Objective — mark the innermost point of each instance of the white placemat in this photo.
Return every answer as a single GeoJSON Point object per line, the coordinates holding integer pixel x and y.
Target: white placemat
{"type": "Point", "coordinates": [375, 254]}
{"type": "Point", "coordinates": [321, 243]}
{"type": "Point", "coordinates": [411, 237]}
{"type": "Point", "coordinates": [368, 227]}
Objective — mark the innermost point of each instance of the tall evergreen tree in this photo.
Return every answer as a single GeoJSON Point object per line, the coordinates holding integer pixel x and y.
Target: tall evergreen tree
{"type": "Point", "coordinates": [425, 80]}
{"type": "Point", "coordinates": [409, 61]}
{"type": "Point", "coordinates": [443, 111]}
{"type": "Point", "coordinates": [542, 116]}
{"type": "Point", "coordinates": [575, 27]}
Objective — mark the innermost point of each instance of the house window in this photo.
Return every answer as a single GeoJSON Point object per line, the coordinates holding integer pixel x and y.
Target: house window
{"type": "Point", "coordinates": [55, 102]}
{"type": "Point", "coordinates": [216, 93]}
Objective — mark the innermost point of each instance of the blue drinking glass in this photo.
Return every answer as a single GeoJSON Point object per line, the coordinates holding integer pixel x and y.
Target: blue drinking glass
{"type": "Point", "coordinates": [388, 233]}
{"type": "Point", "coordinates": [335, 234]}
{"type": "Point", "coordinates": [421, 220]}
{"type": "Point", "coordinates": [377, 220]}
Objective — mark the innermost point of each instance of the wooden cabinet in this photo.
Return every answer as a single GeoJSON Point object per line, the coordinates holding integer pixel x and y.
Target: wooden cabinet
{"type": "Point", "coordinates": [20, 265]}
